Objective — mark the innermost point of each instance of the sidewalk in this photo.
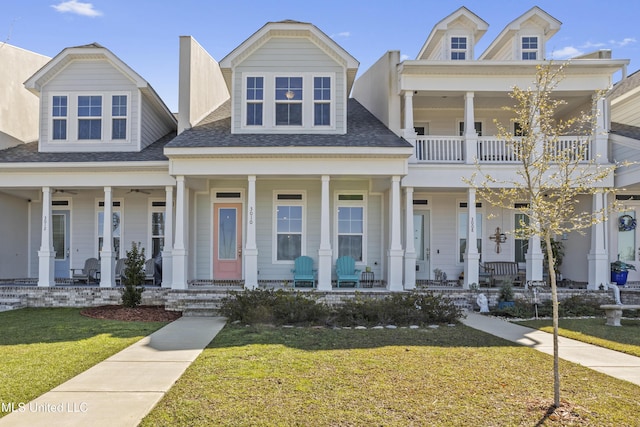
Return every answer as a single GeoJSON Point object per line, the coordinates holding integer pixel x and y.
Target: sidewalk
{"type": "Point", "coordinates": [612, 363]}
{"type": "Point", "coordinates": [121, 390]}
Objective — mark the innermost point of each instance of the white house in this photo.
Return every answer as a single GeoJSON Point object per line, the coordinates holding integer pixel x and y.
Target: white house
{"type": "Point", "coordinates": [270, 159]}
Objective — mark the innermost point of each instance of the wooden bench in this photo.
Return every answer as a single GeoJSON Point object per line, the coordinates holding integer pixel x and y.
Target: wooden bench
{"type": "Point", "coordinates": [614, 312]}
{"type": "Point", "coordinates": [503, 271]}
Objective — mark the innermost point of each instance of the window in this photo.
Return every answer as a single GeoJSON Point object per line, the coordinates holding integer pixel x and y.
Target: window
{"type": "Point", "coordinates": [530, 48]}
{"type": "Point", "coordinates": [157, 228]}
{"type": "Point", "coordinates": [255, 96]}
{"type": "Point", "coordinates": [458, 48]}
{"type": "Point", "coordinates": [351, 226]}
{"type": "Point", "coordinates": [119, 117]}
{"type": "Point", "coordinates": [477, 126]}
{"type": "Point", "coordinates": [463, 216]}
{"type": "Point", "coordinates": [288, 101]}
{"type": "Point", "coordinates": [322, 101]}
{"type": "Point", "coordinates": [422, 129]}
{"type": "Point", "coordinates": [518, 130]}
{"type": "Point", "coordinates": [521, 243]}
{"type": "Point", "coordinates": [90, 117]}
{"type": "Point", "coordinates": [59, 112]}
{"type": "Point", "coordinates": [116, 230]}
{"type": "Point", "coordinates": [289, 226]}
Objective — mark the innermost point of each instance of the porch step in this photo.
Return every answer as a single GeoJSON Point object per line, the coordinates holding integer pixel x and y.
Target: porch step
{"type": "Point", "coordinates": [200, 311]}
{"type": "Point", "coordinates": [196, 302]}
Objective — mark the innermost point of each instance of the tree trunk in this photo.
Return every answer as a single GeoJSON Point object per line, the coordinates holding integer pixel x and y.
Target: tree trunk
{"type": "Point", "coordinates": [554, 300]}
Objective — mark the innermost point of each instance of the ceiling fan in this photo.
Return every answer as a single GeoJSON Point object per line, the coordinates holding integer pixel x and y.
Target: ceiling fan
{"type": "Point", "coordinates": [65, 192]}
{"type": "Point", "coordinates": [137, 190]}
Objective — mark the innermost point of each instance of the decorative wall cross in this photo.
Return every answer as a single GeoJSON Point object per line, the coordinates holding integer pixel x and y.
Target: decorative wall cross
{"type": "Point", "coordinates": [499, 238]}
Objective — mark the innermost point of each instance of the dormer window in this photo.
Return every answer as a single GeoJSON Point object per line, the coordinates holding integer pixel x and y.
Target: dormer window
{"type": "Point", "coordinates": [90, 117]}
{"type": "Point", "coordinates": [59, 113]}
{"type": "Point", "coordinates": [119, 117]}
{"type": "Point", "coordinates": [255, 96]}
{"type": "Point", "coordinates": [458, 48]}
{"type": "Point", "coordinates": [288, 101]}
{"type": "Point", "coordinates": [322, 101]}
{"type": "Point", "coordinates": [530, 48]}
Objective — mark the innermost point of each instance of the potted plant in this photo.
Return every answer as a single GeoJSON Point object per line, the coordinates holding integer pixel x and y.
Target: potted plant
{"type": "Point", "coordinates": [620, 271]}
{"type": "Point", "coordinates": [505, 297]}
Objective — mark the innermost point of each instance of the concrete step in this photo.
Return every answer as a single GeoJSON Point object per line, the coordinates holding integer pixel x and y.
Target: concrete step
{"type": "Point", "coordinates": [195, 311]}
{"type": "Point", "coordinates": [7, 304]}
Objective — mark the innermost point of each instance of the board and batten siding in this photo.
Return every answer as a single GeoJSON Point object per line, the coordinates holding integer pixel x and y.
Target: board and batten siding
{"type": "Point", "coordinates": [289, 56]}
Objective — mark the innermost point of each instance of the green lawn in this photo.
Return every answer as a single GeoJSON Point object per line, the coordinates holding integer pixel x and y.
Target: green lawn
{"type": "Point", "coordinates": [450, 376]}
{"type": "Point", "coordinates": [594, 331]}
{"type": "Point", "coordinates": [42, 348]}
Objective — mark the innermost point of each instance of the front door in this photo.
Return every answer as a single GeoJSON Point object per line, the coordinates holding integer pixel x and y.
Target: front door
{"type": "Point", "coordinates": [227, 241]}
{"type": "Point", "coordinates": [421, 240]}
{"type": "Point", "coordinates": [60, 229]}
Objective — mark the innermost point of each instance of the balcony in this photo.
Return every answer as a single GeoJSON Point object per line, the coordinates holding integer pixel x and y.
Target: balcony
{"type": "Point", "coordinates": [486, 149]}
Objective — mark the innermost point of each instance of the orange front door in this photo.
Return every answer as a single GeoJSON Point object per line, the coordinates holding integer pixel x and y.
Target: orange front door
{"type": "Point", "coordinates": [227, 241]}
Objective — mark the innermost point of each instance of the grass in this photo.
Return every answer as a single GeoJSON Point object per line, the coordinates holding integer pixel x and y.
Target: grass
{"type": "Point", "coordinates": [594, 331]}
{"type": "Point", "coordinates": [42, 348]}
{"type": "Point", "coordinates": [450, 376]}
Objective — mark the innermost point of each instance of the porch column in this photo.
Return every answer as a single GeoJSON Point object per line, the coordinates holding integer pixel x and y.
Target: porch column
{"type": "Point", "coordinates": [534, 259]}
{"type": "Point", "coordinates": [471, 255]}
{"type": "Point", "coordinates": [179, 252]}
{"type": "Point", "coordinates": [470, 135]}
{"type": "Point", "coordinates": [601, 136]}
{"type": "Point", "coordinates": [325, 254]}
{"type": "Point", "coordinates": [167, 257]}
{"type": "Point", "coordinates": [599, 273]}
{"type": "Point", "coordinates": [46, 254]}
{"type": "Point", "coordinates": [251, 249]}
{"type": "Point", "coordinates": [409, 132]}
{"type": "Point", "coordinates": [395, 254]}
{"type": "Point", "coordinates": [410, 248]}
{"type": "Point", "coordinates": [106, 254]}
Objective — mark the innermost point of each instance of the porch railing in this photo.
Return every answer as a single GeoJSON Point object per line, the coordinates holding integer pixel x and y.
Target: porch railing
{"type": "Point", "coordinates": [451, 149]}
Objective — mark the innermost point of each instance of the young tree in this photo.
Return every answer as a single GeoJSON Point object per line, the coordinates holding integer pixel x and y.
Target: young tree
{"type": "Point", "coordinates": [552, 174]}
{"type": "Point", "coordinates": [133, 279]}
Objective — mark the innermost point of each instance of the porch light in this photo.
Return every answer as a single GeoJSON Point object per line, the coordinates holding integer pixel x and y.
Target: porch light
{"type": "Point", "coordinates": [289, 94]}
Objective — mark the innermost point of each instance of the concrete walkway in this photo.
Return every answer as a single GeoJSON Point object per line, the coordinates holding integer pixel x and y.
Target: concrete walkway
{"type": "Point", "coordinates": [613, 363]}
{"type": "Point", "coordinates": [121, 390]}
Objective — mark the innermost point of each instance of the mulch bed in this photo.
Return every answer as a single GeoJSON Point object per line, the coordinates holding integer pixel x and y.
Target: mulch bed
{"type": "Point", "coordinates": [142, 313]}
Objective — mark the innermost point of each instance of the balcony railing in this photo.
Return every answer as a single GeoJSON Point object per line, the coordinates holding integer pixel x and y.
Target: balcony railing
{"type": "Point", "coordinates": [452, 149]}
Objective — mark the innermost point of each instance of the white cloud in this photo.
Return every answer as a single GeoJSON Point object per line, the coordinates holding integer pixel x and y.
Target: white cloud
{"type": "Point", "coordinates": [342, 34]}
{"type": "Point", "coordinates": [566, 52]}
{"type": "Point", "coordinates": [590, 45]}
{"type": "Point", "coordinates": [73, 6]}
{"type": "Point", "coordinates": [404, 57]}
{"type": "Point", "coordinates": [624, 42]}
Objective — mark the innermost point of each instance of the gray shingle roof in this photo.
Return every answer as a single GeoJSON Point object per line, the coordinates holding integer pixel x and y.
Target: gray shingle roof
{"type": "Point", "coordinates": [363, 130]}
{"type": "Point", "coordinates": [623, 86]}
{"type": "Point", "coordinates": [625, 130]}
{"type": "Point", "coordinates": [28, 153]}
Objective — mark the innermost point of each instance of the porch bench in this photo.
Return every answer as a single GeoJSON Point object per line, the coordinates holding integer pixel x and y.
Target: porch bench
{"type": "Point", "coordinates": [614, 312]}
{"type": "Point", "coordinates": [503, 270]}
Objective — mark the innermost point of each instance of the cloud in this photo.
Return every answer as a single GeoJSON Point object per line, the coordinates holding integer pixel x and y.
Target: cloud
{"type": "Point", "coordinates": [73, 6]}
{"type": "Point", "coordinates": [342, 34]}
{"type": "Point", "coordinates": [566, 52]}
{"type": "Point", "coordinates": [404, 57]}
{"type": "Point", "coordinates": [626, 41]}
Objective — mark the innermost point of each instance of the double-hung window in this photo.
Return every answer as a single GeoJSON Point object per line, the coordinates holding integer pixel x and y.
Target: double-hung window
{"type": "Point", "coordinates": [157, 227]}
{"type": "Point", "coordinates": [322, 101]}
{"type": "Point", "coordinates": [530, 48]}
{"type": "Point", "coordinates": [90, 117]}
{"type": "Point", "coordinates": [119, 117]}
{"type": "Point", "coordinates": [288, 94]}
{"type": "Point", "coordinates": [289, 226]}
{"type": "Point", "coordinates": [351, 226]}
{"type": "Point", "coordinates": [255, 97]}
{"type": "Point", "coordinates": [59, 112]}
{"type": "Point", "coordinates": [458, 48]}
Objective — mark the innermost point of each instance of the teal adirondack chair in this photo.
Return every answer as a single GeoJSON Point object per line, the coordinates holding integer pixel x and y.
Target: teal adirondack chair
{"type": "Point", "coordinates": [347, 272]}
{"type": "Point", "coordinates": [303, 271]}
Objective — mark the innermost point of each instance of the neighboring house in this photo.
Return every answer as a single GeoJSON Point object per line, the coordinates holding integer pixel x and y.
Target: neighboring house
{"type": "Point", "coordinates": [273, 160]}
{"type": "Point", "coordinates": [18, 125]}
{"type": "Point", "coordinates": [444, 102]}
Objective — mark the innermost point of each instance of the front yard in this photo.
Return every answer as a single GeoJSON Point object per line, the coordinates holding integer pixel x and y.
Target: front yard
{"type": "Point", "coordinates": [42, 348]}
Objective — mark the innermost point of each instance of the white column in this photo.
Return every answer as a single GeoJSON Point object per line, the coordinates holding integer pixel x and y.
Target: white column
{"type": "Point", "coordinates": [325, 254]}
{"type": "Point", "coordinates": [395, 254]}
{"type": "Point", "coordinates": [410, 249]}
{"type": "Point", "coordinates": [599, 270]}
{"type": "Point", "coordinates": [470, 135]}
{"type": "Point", "coordinates": [409, 132]}
{"type": "Point", "coordinates": [46, 254]}
{"type": "Point", "coordinates": [534, 259]}
{"type": "Point", "coordinates": [471, 255]}
{"type": "Point", "coordinates": [251, 249]}
{"type": "Point", "coordinates": [167, 257]}
{"type": "Point", "coordinates": [601, 136]}
{"type": "Point", "coordinates": [106, 254]}
{"type": "Point", "coordinates": [179, 252]}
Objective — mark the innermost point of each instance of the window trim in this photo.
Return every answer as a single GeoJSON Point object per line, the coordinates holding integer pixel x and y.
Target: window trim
{"type": "Point", "coordinates": [524, 50]}
{"type": "Point", "coordinates": [337, 203]}
{"type": "Point", "coordinates": [303, 240]}
{"type": "Point", "coordinates": [151, 211]}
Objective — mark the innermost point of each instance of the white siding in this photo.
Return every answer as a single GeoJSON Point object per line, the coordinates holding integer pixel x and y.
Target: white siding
{"type": "Point", "coordinates": [153, 127]}
{"type": "Point", "coordinates": [13, 251]}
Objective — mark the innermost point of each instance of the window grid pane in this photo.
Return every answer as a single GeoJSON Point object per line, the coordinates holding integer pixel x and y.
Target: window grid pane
{"type": "Point", "coordinates": [119, 106]}
{"type": "Point", "coordinates": [89, 106]}
{"type": "Point", "coordinates": [59, 106]}
{"type": "Point", "coordinates": [255, 88]}
{"type": "Point", "coordinates": [59, 129]}
{"type": "Point", "coordinates": [291, 86]}
{"type": "Point", "coordinates": [289, 114]}
{"type": "Point", "coordinates": [322, 88]}
{"type": "Point", "coordinates": [119, 129]}
{"type": "Point", "coordinates": [89, 129]}
{"type": "Point", "coordinates": [254, 114]}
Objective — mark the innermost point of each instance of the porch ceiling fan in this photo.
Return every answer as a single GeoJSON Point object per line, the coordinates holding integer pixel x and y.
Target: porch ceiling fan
{"type": "Point", "coordinates": [60, 191]}
{"type": "Point", "coordinates": [137, 190]}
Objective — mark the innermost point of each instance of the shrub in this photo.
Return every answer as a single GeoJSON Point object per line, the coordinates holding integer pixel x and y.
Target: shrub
{"type": "Point", "coordinates": [133, 279]}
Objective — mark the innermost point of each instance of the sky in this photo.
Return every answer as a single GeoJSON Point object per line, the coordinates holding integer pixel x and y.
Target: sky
{"type": "Point", "coordinates": [145, 33]}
